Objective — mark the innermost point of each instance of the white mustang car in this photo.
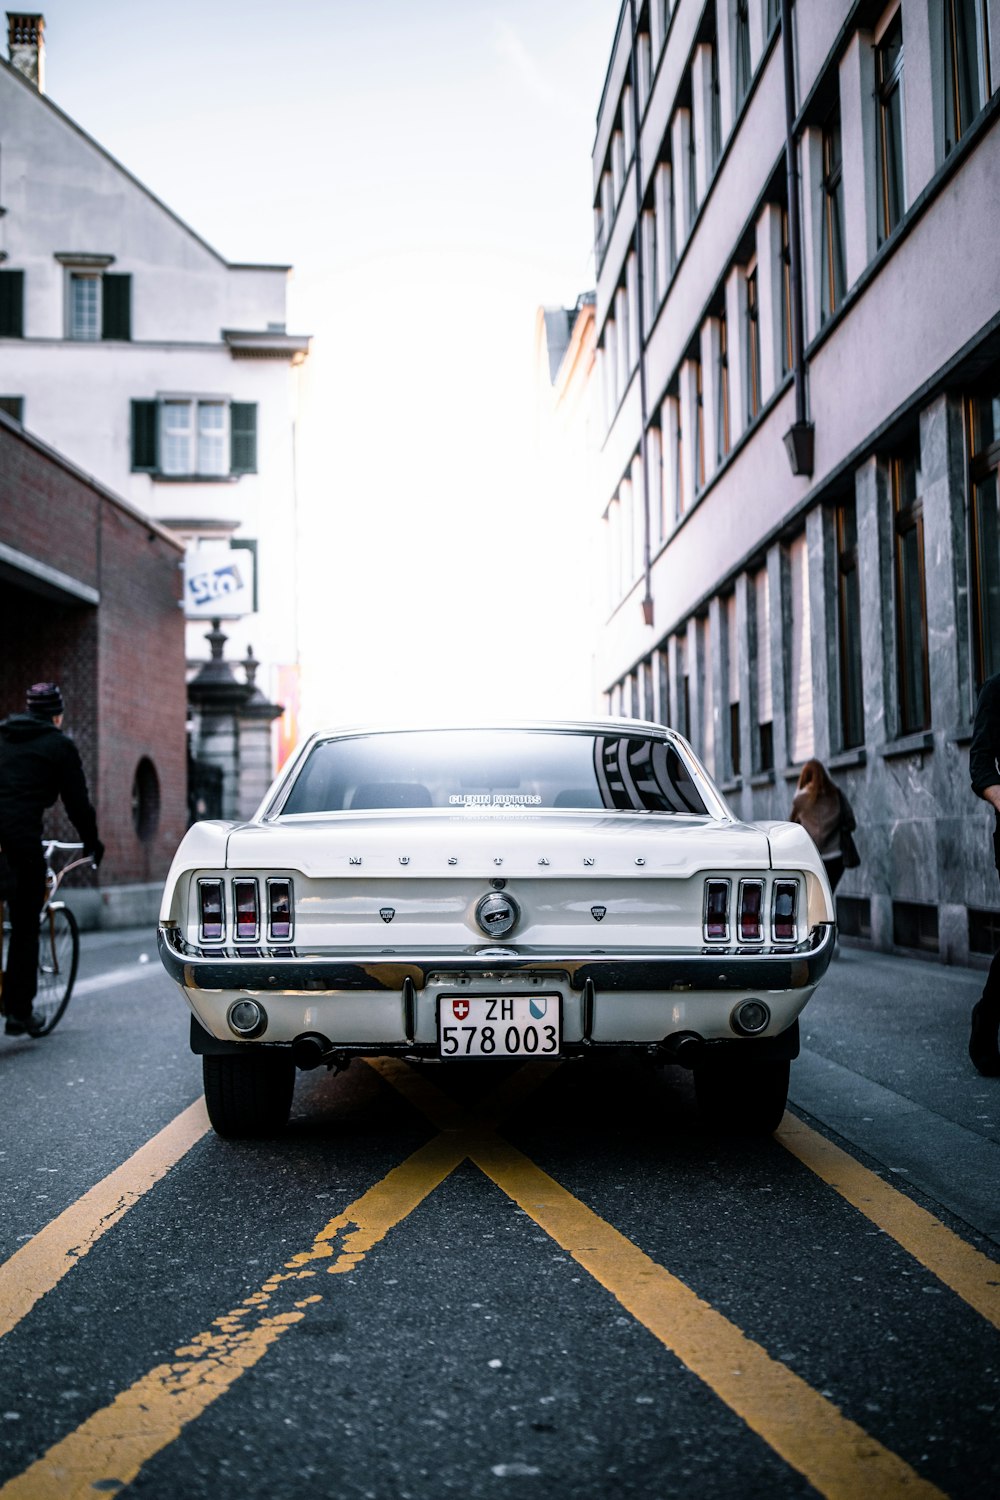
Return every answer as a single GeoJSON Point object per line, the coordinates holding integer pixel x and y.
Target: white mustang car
{"type": "Point", "coordinates": [524, 890]}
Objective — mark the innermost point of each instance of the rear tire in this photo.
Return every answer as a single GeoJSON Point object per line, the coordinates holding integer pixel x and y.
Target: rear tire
{"type": "Point", "coordinates": [248, 1096]}
{"type": "Point", "coordinates": [742, 1099]}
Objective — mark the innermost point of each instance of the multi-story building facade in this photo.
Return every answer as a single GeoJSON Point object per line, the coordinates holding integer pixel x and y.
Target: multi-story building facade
{"type": "Point", "coordinates": [798, 339]}
{"type": "Point", "coordinates": [129, 345]}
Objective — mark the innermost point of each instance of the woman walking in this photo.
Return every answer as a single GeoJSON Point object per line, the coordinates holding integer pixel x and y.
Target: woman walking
{"type": "Point", "coordinates": [827, 817]}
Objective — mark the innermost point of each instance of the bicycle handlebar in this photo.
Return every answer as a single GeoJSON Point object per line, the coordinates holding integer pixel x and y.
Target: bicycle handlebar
{"type": "Point", "coordinates": [49, 844]}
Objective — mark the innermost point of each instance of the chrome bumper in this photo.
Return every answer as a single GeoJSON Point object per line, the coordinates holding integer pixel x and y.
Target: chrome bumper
{"type": "Point", "coordinates": [653, 970]}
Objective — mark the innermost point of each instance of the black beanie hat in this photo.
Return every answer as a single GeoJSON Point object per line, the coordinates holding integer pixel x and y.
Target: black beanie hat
{"type": "Point", "coordinates": [45, 700]}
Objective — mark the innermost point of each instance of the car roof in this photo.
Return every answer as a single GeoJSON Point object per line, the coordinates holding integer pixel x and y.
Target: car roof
{"type": "Point", "coordinates": [587, 726]}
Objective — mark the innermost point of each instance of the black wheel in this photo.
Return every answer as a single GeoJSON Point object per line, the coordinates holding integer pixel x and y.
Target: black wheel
{"type": "Point", "coordinates": [248, 1096]}
{"type": "Point", "coordinates": [58, 957]}
{"type": "Point", "coordinates": [742, 1099]}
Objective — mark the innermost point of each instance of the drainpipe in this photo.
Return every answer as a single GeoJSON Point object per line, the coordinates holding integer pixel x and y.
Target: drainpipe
{"type": "Point", "coordinates": [800, 439]}
{"type": "Point", "coordinates": [647, 601]}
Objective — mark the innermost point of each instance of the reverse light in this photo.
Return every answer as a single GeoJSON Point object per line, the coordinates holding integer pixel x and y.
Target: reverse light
{"type": "Point", "coordinates": [751, 918]}
{"type": "Point", "coordinates": [247, 911]}
{"type": "Point", "coordinates": [211, 911]}
{"type": "Point", "coordinates": [716, 926]}
{"type": "Point", "coordinates": [279, 910]}
{"type": "Point", "coordinates": [751, 1017]}
{"type": "Point", "coordinates": [783, 912]}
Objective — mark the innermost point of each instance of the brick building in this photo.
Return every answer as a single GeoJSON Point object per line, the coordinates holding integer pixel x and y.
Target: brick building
{"type": "Point", "coordinates": [89, 591]}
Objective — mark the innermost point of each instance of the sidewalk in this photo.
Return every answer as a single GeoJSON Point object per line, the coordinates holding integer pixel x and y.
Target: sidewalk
{"type": "Point", "coordinates": [884, 1064]}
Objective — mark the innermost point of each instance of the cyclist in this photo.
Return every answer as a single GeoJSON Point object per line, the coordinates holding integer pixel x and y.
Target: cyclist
{"type": "Point", "coordinates": [38, 763]}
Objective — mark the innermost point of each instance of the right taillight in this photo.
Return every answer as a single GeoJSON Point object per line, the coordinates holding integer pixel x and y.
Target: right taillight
{"type": "Point", "coordinates": [783, 911]}
{"type": "Point", "coordinates": [279, 910]}
{"type": "Point", "coordinates": [717, 911]}
{"type": "Point", "coordinates": [211, 911]}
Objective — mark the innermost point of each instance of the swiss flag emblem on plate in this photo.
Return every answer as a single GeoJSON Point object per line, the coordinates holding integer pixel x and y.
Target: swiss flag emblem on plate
{"type": "Point", "coordinates": [460, 1009]}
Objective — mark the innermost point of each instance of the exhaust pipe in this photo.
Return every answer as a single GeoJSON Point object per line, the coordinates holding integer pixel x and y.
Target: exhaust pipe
{"type": "Point", "coordinates": [310, 1050]}
{"type": "Point", "coordinates": [682, 1049]}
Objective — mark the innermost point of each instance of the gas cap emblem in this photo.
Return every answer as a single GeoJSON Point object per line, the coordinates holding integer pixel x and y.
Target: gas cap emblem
{"type": "Point", "coordinates": [598, 913]}
{"type": "Point", "coordinates": [387, 913]}
{"type": "Point", "coordinates": [497, 914]}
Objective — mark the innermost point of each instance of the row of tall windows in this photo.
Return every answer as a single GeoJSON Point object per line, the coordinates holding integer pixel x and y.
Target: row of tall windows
{"type": "Point", "coordinates": [98, 305]}
{"type": "Point", "coordinates": [909, 609]}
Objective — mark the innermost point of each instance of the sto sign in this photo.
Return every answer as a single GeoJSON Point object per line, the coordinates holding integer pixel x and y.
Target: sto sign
{"type": "Point", "coordinates": [218, 583]}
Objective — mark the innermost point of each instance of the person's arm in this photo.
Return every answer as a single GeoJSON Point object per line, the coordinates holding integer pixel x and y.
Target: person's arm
{"type": "Point", "coordinates": [985, 747]}
{"type": "Point", "coordinates": [73, 790]}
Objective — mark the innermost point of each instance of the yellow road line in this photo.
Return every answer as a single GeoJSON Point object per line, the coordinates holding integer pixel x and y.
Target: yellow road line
{"type": "Point", "coordinates": [44, 1260]}
{"type": "Point", "coordinates": [837, 1456]}
{"type": "Point", "coordinates": [116, 1441]}
{"type": "Point", "coordinates": [966, 1271]}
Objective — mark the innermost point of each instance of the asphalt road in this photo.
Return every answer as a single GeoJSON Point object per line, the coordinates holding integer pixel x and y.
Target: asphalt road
{"type": "Point", "coordinates": [492, 1281]}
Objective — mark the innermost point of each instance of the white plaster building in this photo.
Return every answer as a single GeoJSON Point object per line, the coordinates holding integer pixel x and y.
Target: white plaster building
{"type": "Point", "coordinates": [802, 538]}
{"type": "Point", "coordinates": [129, 345]}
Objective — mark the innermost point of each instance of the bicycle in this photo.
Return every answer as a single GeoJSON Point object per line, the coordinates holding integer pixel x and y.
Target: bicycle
{"type": "Point", "coordinates": [58, 946]}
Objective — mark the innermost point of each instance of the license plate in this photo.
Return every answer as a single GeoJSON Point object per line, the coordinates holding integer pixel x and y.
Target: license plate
{"type": "Point", "coordinates": [498, 1025]}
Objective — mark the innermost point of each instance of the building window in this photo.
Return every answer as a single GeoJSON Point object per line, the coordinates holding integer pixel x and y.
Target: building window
{"type": "Point", "coordinates": [966, 66]}
{"type": "Point", "coordinates": [11, 304]}
{"type": "Point", "coordinates": [915, 925]}
{"type": "Point", "coordinates": [742, 51]}
{"type": "Point", "coordinates": [733, 685]}
{"type": "Point", "coordinates": [752, 344]}
{"type": "Point", "coordinates": [679, 466]}
{"type": "Point", "coordinates": [764, 740]}
{"type": "Point", "coordinates": [145, 800]}
{"type": "Point", "coordinates": [911, 604]}
{"type": "Point", "coordinates": [715, 105]}
{"type": "Point", "coordinates": [692, 179]}
{"type": "Point", "coordinates": [833, 278]}
{"type": "Point", "coordinates": [984, 487]}
{"type": "Point", "coordinates": [699, 429]}
{"type": "Point", "coordinates": [889, 96]}
{"type": "Point", "coordinates": [852, 719]}
{"type": "Point", "coordinates": [722, 439]}
{"type": "Point", "coordinates": [683, 725]}
{"type": "Point", "coordinates": [643, 57]}
{"type": "Point", "coordinates": [184, 438]}
{"type": "Point", "coordinates": [100, 306]}
{"type": "Point", "coordinates": [786, 296]}
{"type": "Point", "coordinates": [13, 406]}
{"type": "Point", "coordinates": [772, 15]}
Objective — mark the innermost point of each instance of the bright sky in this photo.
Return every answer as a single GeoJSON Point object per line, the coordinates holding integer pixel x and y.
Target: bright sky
{"type": "Point", "coordinates": [425, 166]}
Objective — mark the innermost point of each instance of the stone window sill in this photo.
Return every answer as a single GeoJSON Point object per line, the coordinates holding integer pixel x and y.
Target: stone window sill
{"type": "Point", "coordinates": [762, 778]}
{"type": "Point", "coordinates": [847, 759]}
{"type": "Point", "coordinates": [910, 744]}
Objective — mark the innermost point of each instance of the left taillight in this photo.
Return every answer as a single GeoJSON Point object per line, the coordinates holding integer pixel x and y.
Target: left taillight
{"type": "Point", "coordinates": [247, 910]}
{"type": "Point", "coordinates": [211, 911]}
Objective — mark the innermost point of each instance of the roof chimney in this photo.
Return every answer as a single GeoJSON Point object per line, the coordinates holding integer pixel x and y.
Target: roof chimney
{"type": "Point", "coordinates": [26, 46]}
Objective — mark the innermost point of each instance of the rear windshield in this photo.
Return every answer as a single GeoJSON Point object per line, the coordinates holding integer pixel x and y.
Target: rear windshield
{"type": "Point", "coordinates": [494, 769]}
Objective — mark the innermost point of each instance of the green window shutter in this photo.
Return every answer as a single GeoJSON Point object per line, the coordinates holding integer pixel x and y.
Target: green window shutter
{"type": "Point", "coordinates": [12, 304]}
{"type": "Point", "coordinates": [144, 437]}
{"type": "Point", "coordinates": [243, 437]}
{"type": "Point", "coordinates": [116, 307]}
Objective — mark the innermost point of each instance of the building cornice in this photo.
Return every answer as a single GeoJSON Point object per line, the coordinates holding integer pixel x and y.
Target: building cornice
{"type": "Point", "coordinates": [246, 344]}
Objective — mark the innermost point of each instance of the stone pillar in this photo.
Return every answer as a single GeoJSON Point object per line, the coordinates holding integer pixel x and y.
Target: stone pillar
{"type": "Point", "coordinates": [232, 728]}
{"type": "Point", "coordinates": [255, 760]}
{"type": "Point", "coordinates": [873, 501]}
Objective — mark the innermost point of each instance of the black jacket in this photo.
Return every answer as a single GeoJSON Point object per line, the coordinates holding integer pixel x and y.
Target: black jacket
{"type": "Point", "coordinates": [984, 753]}
{"type": "Point", "coordinates": [38, 763]}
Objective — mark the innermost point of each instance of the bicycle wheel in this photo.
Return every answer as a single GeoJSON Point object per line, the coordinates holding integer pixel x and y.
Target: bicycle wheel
{"type": "Point", "coordinates": [58, 956]}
